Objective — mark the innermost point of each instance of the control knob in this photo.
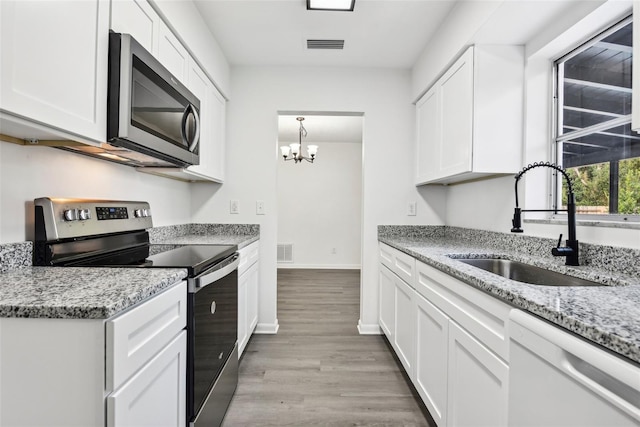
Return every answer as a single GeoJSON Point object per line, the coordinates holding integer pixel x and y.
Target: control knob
{"type": "Point", "coordinates": [70, 215]}
{"type": "Point", "coordinates": [84, 214]}
{"type": "Point", "coordinates": [146, 212]}
{"type": "Point", "coordinates": [137, 213]}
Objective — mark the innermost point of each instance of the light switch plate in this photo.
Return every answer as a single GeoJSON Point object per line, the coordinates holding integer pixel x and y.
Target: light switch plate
{"type": "Point", "coordinates": [234, 207]}
{"type": "Point", "coordinates": [260, 207]}
{"type": "Point", "coordinates": [411, 209]}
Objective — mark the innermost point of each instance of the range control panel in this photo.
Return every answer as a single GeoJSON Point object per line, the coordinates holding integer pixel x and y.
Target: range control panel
{"type": "Point", "coordinates": [112, 212]}
{"type": "Point", "coordinates": [58, 218]}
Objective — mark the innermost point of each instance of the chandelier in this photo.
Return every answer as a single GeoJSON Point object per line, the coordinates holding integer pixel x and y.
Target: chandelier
{"type": "Point", "coordinates": [296, 149]}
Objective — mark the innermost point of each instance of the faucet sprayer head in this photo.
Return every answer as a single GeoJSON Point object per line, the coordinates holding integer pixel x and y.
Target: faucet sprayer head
{"type": "Point", "coordinates": [516, 221]}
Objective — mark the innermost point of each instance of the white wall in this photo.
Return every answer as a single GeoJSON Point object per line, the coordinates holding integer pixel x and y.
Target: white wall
{"type": "Point", "coordinates": [383, 95]}
{"type": "Point", "coordinates": [319, 207]}
{"type": "Point", "coordinates": [30, 172]}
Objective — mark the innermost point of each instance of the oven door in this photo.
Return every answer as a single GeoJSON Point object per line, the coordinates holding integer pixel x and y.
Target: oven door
{"type": "Point", "coordinates": [212, 364]}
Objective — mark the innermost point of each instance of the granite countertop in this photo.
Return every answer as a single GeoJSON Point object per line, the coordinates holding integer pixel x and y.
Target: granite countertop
{"type": "Point", "coordinates": [78, 292]}
{"type": "Point", "coordinates": [240, 235]}
{"type": "Point", "coordinates": [99, 293]}
{"type": "Point", "coordinates": [607, 315]}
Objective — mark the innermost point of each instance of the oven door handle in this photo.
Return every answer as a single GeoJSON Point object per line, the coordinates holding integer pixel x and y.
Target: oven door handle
{"type": "Point", "coordinates": [231, 264]}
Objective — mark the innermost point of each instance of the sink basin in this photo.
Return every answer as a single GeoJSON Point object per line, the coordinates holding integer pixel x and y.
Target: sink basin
{"type": "Point", "coordinates": [526, 273]}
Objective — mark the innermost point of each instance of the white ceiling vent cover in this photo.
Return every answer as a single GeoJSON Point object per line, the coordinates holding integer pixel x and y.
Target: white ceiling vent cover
{"type": "Point", "coordinates": [325, 44]}
{"type": "Point", "coordinates": [285, 252]}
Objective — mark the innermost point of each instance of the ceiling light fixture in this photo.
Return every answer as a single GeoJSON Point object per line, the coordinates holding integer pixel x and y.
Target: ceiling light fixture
{"type": "Point", "coordinates": [296, 148]}
{"type": "Point", "coordinates": [335, 5]}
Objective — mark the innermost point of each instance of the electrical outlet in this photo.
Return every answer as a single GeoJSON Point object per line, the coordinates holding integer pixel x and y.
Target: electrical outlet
{"type": "Point", "coordinates": [411, 209]}
{"type": "Point", "coordinates": [260, 207]}
{"type": "Point", "coordinates": [234, 207]}
{"type": "Point", "coordinates": [334, 251]}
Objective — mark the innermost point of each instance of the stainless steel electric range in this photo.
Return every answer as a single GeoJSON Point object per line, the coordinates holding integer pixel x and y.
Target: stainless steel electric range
{"type": "Point", "coordinates": [92, 233]}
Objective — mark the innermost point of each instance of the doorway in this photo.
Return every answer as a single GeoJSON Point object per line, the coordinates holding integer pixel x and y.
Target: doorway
{"type": "Point", "coordinates": [320, 203]}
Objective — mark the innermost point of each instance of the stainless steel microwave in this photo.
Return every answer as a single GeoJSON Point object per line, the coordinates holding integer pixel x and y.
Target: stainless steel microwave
{"type": "Point", "coordinates": [152, 118]}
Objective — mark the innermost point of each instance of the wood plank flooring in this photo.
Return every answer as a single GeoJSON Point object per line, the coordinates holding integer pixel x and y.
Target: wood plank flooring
{"type": "Point", "coordinates": [318, 371]}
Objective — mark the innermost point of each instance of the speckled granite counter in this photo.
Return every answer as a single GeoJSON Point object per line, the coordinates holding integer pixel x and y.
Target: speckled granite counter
{"type": "Point", "coordinates": [206, 234]}
{"type": "Point", "coordinates": [606, 315]}
{"type": "Point", "coordinates": [81, 293]}
{"type": "Point", "coordinates": [97, 293]}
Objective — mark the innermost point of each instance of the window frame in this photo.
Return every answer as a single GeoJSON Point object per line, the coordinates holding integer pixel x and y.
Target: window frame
{"type": "Point", "coordinates": [556, 123]}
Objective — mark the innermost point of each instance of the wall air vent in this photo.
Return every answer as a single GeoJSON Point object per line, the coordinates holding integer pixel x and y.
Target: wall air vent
{"type": "Point", "coordinates": [285, 252]}
{"type": "Point", "coordinates": [325, 44]}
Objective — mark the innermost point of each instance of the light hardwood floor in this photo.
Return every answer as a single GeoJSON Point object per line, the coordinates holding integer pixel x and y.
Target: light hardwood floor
{"type": "Point", "coordinates": [318, 371]}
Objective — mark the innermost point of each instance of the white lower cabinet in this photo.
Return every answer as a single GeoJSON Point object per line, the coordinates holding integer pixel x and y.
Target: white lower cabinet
{"type": "Point", "coordinates": [477, 382]}
{"type": "Point", "coordinates": [451, 340]}
{"type": "Point", "coordinates": [404, 325]}
{"type": "Point", "coordinates": [386, 312]}
{"type": "Point", "coordinates": [163, 379]}
{"type": "Point", "coordinates": [129, 370]}
{"type": "Point", "coordinates": [432, 336]}
{"type": "Point", "coordinates": [248, 287]}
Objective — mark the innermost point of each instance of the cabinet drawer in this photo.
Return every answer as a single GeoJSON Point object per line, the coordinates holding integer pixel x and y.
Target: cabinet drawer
{"type": "Point", "coordinates": [482, 315]}
{"type": "Point", "coordinates": [248, 256]}
{"type": "Point", "coordinates": [134, 337]}
{"type": "Point", "coordinates": [398, 262]}
{"type": "Point", "coordinates": [155, 395]}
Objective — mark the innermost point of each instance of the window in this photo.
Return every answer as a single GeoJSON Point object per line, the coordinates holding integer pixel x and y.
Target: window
{"type": "Point", "coordinates": [594, 141]}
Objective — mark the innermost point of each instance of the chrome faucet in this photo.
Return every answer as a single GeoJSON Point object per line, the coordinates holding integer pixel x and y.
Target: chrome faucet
{"type": "Point", "coordinates": [570, 250]}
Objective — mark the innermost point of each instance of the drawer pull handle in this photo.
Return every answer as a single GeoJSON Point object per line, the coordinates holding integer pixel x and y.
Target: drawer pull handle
{"type": "Point", "coordinates": [213, 307]}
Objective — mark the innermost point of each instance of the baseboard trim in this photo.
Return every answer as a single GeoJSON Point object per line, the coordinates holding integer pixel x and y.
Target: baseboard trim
{"type": "Point", "coordinates": [369, 329]}
{"type": "Point", "coordinates": [267, 328]}
{"type": "Point", "coordinates": [319, 266]}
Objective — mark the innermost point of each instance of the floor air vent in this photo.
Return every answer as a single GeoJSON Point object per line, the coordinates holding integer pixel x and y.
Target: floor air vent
{"type": "Point", "coordinates": [325, 44]}
{"type": "Point", "coordinates": [285, 252]}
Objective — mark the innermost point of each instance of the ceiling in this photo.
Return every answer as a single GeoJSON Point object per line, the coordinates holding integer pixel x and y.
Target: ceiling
{"type": "Point", "coordinates": [320, 128]}
{"type": "Point", "coordinates": [378, 33]}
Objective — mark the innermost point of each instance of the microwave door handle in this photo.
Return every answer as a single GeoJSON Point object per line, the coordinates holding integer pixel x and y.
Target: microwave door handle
{"type": "Point", "coordinates": [196, 138]}
{"type": "Point", "coordinates": [191, 110]}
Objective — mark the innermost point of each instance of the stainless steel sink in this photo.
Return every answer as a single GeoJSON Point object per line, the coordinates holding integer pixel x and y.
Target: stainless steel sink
{"type": "Point", "coordinates": [526, 273]}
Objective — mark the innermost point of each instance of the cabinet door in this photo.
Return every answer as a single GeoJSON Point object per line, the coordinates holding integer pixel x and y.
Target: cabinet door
{"type": "Point", "coordinates": [432, 337]}
{"type": "Point", "coordinates": [155, 395]}
{"type": "Point", "coordinates": [212, 106]}
{"type": "Point", "coordinates": [427, 136]}
{"type": "Point", "coordinates": [478, 383]}
{"type": "Point", "coordinates": [218, 145]}
{"type": "Point", "coordinates": [456, 106]}
{"type": "Point", "coordinates": [172, 54]}
{"type": "Point", "coordinates": [54, 64]}
{"type": "Point", "coordinates": [404, 330]}
{"type": "Point", "coordinates": [252, 299]}
{"type": "Point", "coordinates": [136, 17]}
{"type": "Point", "coordinates": [387, 301]}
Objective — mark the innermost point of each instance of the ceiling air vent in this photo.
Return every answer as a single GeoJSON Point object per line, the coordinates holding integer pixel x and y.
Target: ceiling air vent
{"type": "Point", "coordinates": [325, 44]}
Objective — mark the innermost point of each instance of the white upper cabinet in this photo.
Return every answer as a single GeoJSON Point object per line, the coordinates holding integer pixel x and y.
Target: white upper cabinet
{"type": "Point", "coordinates": [54, 69]}
{"type": "Point", "coordinates": [212, 127]}
{"type": "Point", "coordinates": [137, 17]}
{"type": "Point", "coordinates": [172, 54]}
{"type": "Point", "coordinates": [469, 123]}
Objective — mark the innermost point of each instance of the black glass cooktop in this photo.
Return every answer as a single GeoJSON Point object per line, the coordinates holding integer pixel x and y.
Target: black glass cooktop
{"type": "Point", "coordinates": [195, 258]}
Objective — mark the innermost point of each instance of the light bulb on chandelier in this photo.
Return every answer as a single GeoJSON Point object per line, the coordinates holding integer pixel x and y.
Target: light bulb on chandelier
{"type": "Point", "coordinates": [295, 149]}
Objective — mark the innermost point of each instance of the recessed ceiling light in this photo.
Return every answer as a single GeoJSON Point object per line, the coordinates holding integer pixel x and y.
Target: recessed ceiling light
{"type": "Point", "coordinates": [338, 5]}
